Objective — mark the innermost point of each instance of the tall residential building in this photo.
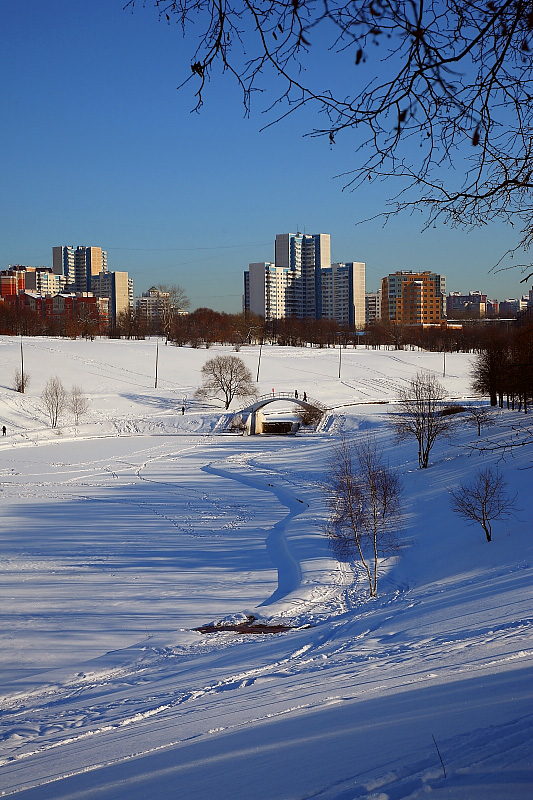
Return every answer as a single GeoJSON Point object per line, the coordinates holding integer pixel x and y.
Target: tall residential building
{"type": "Point", "coordinates": [88, 263]}
{"type": "Point", "coordinates": [63, 262]}
{"type": "Point", "coordinates": [271, 290]}
{"type": "Point", "coordinates": [79, 265]}
{"type": "Point", "coordinates": [372, 307]}
{"type": "Point", "coordinates": [303, 283]}
{"type": "Point", "coordinates": [118, 288]}
{"type": "Point", "coordinates": [305, 255]}
{"type": "Point", "coordinates": [343, 293]}
{"type": "Point", "coordinates": [413, 298]}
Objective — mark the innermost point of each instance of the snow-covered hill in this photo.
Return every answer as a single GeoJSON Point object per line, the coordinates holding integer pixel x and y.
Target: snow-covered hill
{"type": "Point", "coordinates": [121, 535]}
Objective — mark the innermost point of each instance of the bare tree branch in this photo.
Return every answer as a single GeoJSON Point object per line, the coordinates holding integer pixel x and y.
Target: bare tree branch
{"type": "Point", "coordinates": [364, 497]}
{"type": "Point", "coordinates": [436, 84]}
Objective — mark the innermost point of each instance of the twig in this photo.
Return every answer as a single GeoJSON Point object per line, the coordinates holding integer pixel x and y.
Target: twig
{"type": "Point", "coordinates": [438, 751]}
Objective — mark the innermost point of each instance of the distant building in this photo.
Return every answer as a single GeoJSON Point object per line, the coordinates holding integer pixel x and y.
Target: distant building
{"type": "Point", "coordinates": [525, 317]}
{"type": "Point", "coordinates": [44, 281]}
{"type": "Point", "coordinates": [154, 308]}
{"type": "Point", "coordinates": [413, 298]}
{"type": "Point", "coordinates": [473, 304]}
{"type": "Point", "coordinates": [303, 283]}
{"type": "Point", "coordinates": [372, 306]}
{"type": "Point", "coordinates": [343, 293]}
{"type": "Point", "coordinates": [271, 290]}
{"type": "Point", "coordinates": [75, 306]}
{"type": "Point", "coordinates": [79, 265]}
{"type": "Point", "coordinates": [513, 306]}
{"type": "Point", "coordinates": [63, 263]}
{"type": "Point", "coordinates": [305, 255]}
{"type": "Point", "coordinates": [34, 279]}
{"type": "Point", "coordinates": [493, 308]}
{"type": "Point", "coordinates": [246, 294]}
{"type": "Point", "coordinates": [12, 281]}
{"type": "Point", "coordinates": [117, 287]}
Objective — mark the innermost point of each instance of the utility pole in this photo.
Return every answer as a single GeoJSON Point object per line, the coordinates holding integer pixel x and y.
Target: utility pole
{"type": "Point", "coordinates": [340, 356]}
{"type": "Point", "coordinates": [22, 381]}
{"type": "Point", "coordinates": [156, 361]}
{"type": "Point", "coordinates": [259, 362]}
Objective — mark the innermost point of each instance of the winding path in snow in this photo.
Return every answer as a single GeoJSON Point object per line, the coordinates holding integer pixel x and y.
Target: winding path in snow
{"type": "Point", "coordinates": [288, 567]}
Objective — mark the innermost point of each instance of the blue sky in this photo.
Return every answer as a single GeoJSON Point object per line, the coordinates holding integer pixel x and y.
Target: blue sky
{"type": "Point", "coordinates": [99, 148]}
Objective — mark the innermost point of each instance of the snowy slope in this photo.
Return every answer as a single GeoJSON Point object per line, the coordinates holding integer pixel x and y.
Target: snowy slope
{"type": "Point", "coordinates": [121, 535]}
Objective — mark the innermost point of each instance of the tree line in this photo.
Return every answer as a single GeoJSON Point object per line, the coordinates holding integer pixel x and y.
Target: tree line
{"type": "Point", "coordinates": [205, 327]}
{"type": "Point", "coordinates": [504, 369]}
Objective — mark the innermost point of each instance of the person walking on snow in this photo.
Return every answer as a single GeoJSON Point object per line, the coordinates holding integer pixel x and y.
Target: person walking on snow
{"type": "Point", "coordinates": [4, 430]}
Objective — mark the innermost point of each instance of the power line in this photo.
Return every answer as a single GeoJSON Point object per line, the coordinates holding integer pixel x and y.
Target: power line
{"type": "Point", "coordinates": [177, 249]}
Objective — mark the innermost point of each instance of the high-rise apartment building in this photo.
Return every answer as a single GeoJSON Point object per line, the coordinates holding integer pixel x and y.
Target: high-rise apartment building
{"type": "Point", "coordinates": [88, 263]}
{"type": "Point", "coordinates": [372, 306]}
{"type": "Point", "coordinates": [413, 298]}
{"type": "Point", "coordinates": [117, 287]}
{"type": "Point", "coordinates": [343, 293]}
{"type": "Point", "coordinates": [303, 283]}
{"type": "Point", "coordinates": [79, 265]}
{"type": "Point", "coordinates": [305, 255]}
{"type": "Point", "coordinates": [271, 290]}
{"type": "Point", "coordinates": [63, 262]}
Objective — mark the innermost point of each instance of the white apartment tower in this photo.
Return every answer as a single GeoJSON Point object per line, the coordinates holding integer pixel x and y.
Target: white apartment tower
{"type": "Point", "coordinates": [343, 293]}
{"type": "Point", "coordinates": [305, 255]}
{"type": "Point", "coordinates": [303, 283]}
{"type": "Point", "coordinates": [271, 290]}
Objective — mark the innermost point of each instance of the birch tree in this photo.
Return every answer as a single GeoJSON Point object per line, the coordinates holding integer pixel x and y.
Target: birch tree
{"type": "Point", "coordinates": [364, 497]}
{"type": "Point", "coordinates": [420, 417]}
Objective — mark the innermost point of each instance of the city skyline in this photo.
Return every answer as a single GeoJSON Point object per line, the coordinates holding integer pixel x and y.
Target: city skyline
{"type": "Point", "coordinates": [61, 254]}
{"type": "Point", "coordinates": [104, 149]}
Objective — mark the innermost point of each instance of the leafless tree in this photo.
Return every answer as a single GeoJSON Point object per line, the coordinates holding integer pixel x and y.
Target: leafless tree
{"type": "Point", "coordinates": [21, 381]}
{"type": "Point", "coordinates": [422, 87]}
{"type": "Point", "coordinates": [309, 416]}
{"type": "Point", "coordinates": [480, 416]}
{"type": "Point", "coordinates": [176, 302]}
{"type": "Point", "coordinates": [484, 500]}
{"type": "Point", "coordinates": [227, 376]}
{"type": "Point", "coordinates": [55, 400]}
{"type": "Point", "coordinates": [176, 294]}
{"type": "Point", "coordinates": [420, 414]}
{"type": "Point", "coordinates": [78, 403]}
{"type": "Point", "coordinates": [364, 497]}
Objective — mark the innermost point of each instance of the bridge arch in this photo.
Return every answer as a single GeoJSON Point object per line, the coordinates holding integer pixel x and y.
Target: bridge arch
{"type": "Point", "coordinates": [266, 399]}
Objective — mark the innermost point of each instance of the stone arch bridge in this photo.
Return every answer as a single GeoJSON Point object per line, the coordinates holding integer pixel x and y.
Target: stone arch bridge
{"type": "Point", "coordinates": [266, 399]}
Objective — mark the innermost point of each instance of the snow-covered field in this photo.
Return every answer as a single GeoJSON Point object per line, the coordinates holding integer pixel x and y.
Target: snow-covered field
{"type": "Point", "coordinates": [121, 535]}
